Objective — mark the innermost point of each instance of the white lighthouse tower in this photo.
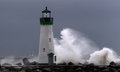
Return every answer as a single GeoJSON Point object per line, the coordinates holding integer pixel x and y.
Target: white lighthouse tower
{"type": "Point", "coordinates": [46, 47]}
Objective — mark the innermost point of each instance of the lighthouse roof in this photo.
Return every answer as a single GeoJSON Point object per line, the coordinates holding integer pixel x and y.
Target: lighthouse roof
{"type": "Point", "coordinates": [46, 11]}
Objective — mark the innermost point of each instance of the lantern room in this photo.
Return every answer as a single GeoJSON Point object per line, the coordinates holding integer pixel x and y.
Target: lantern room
{"type": "Point", "coordinates": [46, 13]}
{"type": "Point", "coordinates": [46, 18]}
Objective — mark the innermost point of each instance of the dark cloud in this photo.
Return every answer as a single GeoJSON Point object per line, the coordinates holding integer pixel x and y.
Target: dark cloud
{"type": "Point", "coordinates": [19, 22]}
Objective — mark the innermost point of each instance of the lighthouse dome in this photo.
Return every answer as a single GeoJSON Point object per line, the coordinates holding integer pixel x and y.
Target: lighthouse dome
{"type": "Point", "coordinates": [46, 11]}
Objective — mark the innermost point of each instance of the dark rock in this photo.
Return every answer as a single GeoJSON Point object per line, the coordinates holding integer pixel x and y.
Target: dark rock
{"type": "Point", "coordinates": [70, 63]}
{"type": "Point", "coordinates": [46, 70]}
{"type": "Point", "coordinates": [34, 63]}
{"type": "Point", "coordinates": [6, 64]}
{"type": "Point", "coordinates": [19, 64]}
{"type": "Point", "coordinates": [62, 63]}
{"type": "Point", "coordinates": [78, 69]}
{"type": "Point", "coordinates": [113, 70]}
{"type": "Point", "coordinates": [105, 70]}
{"type": "Point", "coordinates": [112, 64]}
{"type": "Point", "coordinates": [36, 67]}
{"type": "Point", "coordinates": [26, 61]}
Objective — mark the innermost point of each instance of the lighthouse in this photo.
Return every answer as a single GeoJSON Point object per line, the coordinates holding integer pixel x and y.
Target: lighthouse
{"type": "Point", "coordinates": [46, 45]}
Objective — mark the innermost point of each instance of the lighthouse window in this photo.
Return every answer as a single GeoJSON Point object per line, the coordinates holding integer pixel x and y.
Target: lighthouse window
{"type": "Point", "coordinates": [49, 39]}
{"type": "Point", "coordinates": [43, 49]}
{"type": "Point", "coordinates": [55, 58]}
{"type": "Point", "coordinates": [46, 14]}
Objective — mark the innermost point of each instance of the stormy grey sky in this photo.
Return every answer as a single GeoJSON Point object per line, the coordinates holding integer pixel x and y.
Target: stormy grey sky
{"type": "Point", "coordinates": [19, 23]}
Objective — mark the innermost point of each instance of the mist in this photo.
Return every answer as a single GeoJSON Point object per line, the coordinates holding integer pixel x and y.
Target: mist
{"type": "Point", "coordinates": [75, 47]}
